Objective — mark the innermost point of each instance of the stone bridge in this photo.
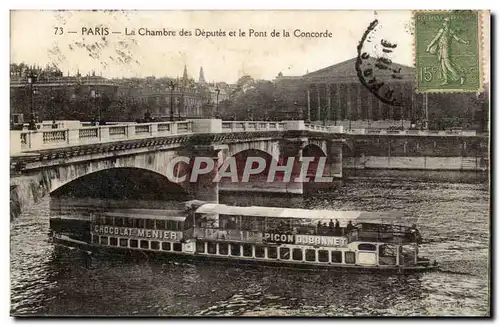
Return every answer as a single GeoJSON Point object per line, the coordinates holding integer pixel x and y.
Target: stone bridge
{"type": "Point", "coordinates": [132, 160]}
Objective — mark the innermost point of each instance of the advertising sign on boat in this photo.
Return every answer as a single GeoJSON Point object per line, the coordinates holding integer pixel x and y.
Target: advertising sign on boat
{"type": "Point", "coordinates": [305, 239]}
{"type": "Point", "coordinates": [137, 233]}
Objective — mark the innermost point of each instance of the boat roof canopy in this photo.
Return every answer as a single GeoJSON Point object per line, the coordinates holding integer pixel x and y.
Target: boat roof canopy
{"type": "Point", "coordinates": [154, 214]}
{"type": "Point", "coordinates": [315, 214]}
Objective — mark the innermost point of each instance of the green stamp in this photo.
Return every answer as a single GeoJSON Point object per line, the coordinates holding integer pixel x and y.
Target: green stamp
{"type": "Point", "coordinates": [447, 46]}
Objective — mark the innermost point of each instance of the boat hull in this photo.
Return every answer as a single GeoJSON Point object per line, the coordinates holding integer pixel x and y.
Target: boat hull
{"type": "Point", "coordinates": [193, 258]}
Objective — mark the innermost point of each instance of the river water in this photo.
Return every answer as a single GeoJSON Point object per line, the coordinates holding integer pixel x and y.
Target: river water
{"type": "Point", "coordinates": [453, 219]}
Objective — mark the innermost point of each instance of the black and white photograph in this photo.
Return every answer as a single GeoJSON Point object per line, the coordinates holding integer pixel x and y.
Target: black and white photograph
{"type": "Point", "coordinates": [250, 163]}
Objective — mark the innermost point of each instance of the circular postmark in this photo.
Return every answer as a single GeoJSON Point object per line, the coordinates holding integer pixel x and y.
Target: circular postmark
{"type": "Point", "coordinates": [376, 71]}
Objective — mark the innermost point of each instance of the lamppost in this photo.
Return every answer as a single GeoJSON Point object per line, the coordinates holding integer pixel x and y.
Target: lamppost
{"type": "Point", "coordinates": [97, 108]}
{"type": "Point", "coordinates": [217, 92]}
{"type": "Point", "coordinates": [53, 109]}
{"type": "Point", "coordinates": [32, 80]}
{"type": "Point", "coordinates": [171, 85]}
{"type": "Point", "coordinates": [274, 110]}
{"type": "Point", "coordinates": [178, 104]}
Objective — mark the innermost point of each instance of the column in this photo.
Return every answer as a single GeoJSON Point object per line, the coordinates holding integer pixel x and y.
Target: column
{"type": "Point", "coordinates": [318, 110]}
{"type": "Point", "coordinates": [308, 104]}
{"type": "Point", "coordinates": [358, 101]}
{"type": "Point", "coordinates": [339, 107]}
{"type": "Point", "coordinates": [329, 102]}
{"type": "Point", "coordinates": [349, 102]}
{"type": "Point", "coordinates": [370, 106]}
{"type": "Point", "coordinates": [380, 111]}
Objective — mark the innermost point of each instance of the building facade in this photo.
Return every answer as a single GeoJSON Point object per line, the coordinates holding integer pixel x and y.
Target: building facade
{"type": "Point", "coordinates": [335, 95]}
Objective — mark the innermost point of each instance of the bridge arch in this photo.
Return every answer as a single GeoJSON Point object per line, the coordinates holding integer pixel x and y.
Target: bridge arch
{"type": "Point", "coordinates": [122, 183]}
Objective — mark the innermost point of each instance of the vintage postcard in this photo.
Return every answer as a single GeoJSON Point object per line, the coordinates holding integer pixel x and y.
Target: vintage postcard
{"type": "Point", "coordinates": [250, 163]}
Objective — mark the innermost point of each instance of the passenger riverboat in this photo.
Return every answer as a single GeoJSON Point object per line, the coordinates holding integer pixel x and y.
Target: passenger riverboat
{"type": "Point", "coordinates": [286, 237]}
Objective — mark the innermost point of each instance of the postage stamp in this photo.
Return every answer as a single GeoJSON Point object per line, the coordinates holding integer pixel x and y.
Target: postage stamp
{"type": "Point", "coordinates": [448, 53]}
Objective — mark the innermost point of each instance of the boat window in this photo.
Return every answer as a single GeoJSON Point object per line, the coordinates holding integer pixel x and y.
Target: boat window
{"type": "Point", "coordinates": [260, 251]}
{"type": "Point", "coordinates": [235, 249]}
{"type": "Point", "coordinates": [95, 238]}
{"type": "Point", "coordinates": [247, 250]}
{"type": "Point", "coordinates": [310, 255]}
{"type": "Point", "coordinates": [160, 224]}
{"type": "Point", "coordinates": [177, 246]}
{"type": "Point", "coordinates": [140, 223]}
{"type": "Point", "coordinates": [133, 243]}
{"type": "Point", "coordinates": [323, 256]}
{"type": "Point", "coordinates": [367, 247]}
{"type": "Point", "coordinates": [350, 257]}
{"type": "Point", "coordinates": [128, 222]}
{"type": "Point", "coordinates": [336, 256]}
{"type": "Point", "coordinates": [118, 221]}
{"type": "Point", "coordinates": [104, 240]}
{"type": "Point", "coordinates": [123, 242]}
{"type": "Point", "coordinates": [165, 246]}
{"type": "Point", "coordinates": [113, 241]}
{"type": "Point", "coordinates": [407, 254]}
{"type": "Point", "coordinates": [171, 225]}
{"type": "Point", "coordinates": [272, 252]}
{"type": "Point", "coordinates": [149, 224]}
{"type": "Point", "coordinates": [200, 246]}
{"type": "Point", "coordinates": [387, 254]}
{"type": "Point", "coordinates": [155, 245]}
{"type": "Point", "coordinates": [223, 249]}
{"type": "Point", "coordinates": [144, 244]}
{"type": "Point", "coordinates": [297, 254]}
{"type": "Point", "coordinates": [285, 253]}
{"type": "Point", "coordinates": [211, 247]}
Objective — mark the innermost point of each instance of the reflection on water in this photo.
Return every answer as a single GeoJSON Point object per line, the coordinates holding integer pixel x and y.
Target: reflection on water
{"type": "Point", "coordinates": [453, 218]}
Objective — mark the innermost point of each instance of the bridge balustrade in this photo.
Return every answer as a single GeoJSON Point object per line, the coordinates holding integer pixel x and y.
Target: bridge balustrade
{"type": "Point", "coordinates": [81, 134]}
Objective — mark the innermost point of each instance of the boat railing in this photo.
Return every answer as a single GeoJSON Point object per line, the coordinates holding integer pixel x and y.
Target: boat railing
{"type": "Point", "coordinates": [227, 234]}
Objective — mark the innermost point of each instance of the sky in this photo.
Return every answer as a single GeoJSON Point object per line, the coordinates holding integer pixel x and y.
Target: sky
{"type": "Point", "coordinates": [35, 39]}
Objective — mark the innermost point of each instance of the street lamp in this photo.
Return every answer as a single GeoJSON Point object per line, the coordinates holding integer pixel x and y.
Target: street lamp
{"type": "Point", "coordinates": [32, 80]}
{"type": "Point", "coordinates": [274, 111]}
{"type": "Point", "coordinates": [171, 85]}
{"type": "Point", "coordinates": [217, 92]}
{"type": "Point", "coordinates": [97, 108]}
{"type": "Point", "coordinates": [53, 109]}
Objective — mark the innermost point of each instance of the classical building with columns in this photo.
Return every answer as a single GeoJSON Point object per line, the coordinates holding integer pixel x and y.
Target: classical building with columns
{"type": "Point", "coordinates": [335, 93]}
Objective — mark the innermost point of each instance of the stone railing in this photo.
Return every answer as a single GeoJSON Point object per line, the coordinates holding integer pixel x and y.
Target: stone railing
{"type": "Point", "coordinates": [410, 132]}
{"type": "Point", "coordinates": [77, 134]}
{"type": "Point", "coordinates": [27, 140]}
{"type": "Point", "coordinates": [240, 126]}
{"type": "Point", "coordinates": [321, 128]}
